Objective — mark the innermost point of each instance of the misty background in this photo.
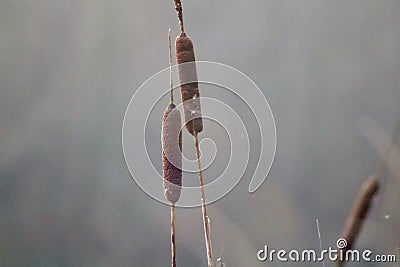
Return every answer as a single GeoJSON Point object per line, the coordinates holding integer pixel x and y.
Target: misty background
{"type": "Point", "coordinates": [329, 69]}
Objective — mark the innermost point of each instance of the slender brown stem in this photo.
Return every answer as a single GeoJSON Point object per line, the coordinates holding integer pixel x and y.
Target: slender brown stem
{"type": "Point", "coordinates": [357, 215]}
{"type": "Point", "coordinates": [171, 83]}
{"type": "Point", "coordinates": [173, 246]}
{"type": "Point", "coordinates": [178, 8]}
{"type": "Point", "coordinates": [206, 219]}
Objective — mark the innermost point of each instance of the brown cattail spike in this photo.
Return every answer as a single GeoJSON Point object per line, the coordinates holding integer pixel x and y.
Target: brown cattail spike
{"type": "Point", "coordinates": [359, 212]}
{"type": "Point", "coordinates": [172, 144]}
{"type": "Point", "coordinates": [188, 83]}
{"type": "Point", "coordinates": [171, 153]}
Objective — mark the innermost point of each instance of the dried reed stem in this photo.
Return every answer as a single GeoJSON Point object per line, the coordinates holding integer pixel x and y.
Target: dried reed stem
{"type": "Point", "coordinates": [171, 83]}
{"type": "Point", "coordinates": [173, 245]}
{"type": "Point", "coordinates": [357, 216]}
{"type": "Point", "coordinates": [178, 8]}
{"type": "Point", "coordinates": [206, 219]}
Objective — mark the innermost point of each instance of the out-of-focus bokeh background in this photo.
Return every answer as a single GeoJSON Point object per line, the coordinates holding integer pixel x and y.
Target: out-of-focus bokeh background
{"type": "Point", "coordinates": [331, 73]}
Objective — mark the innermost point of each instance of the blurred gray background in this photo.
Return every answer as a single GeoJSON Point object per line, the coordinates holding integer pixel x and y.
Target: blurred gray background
{"type": "Point", "coordinates": [69, 68]}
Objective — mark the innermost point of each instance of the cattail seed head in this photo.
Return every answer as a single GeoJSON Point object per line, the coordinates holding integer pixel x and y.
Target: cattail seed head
{"type": "Point", "coordinates": [171, 153]}
{"type": "Point", "coordinates": [188, 83]}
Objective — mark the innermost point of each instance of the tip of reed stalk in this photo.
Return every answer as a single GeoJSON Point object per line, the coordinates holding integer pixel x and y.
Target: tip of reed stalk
{"type": "Point", "coordinates": [371, 185]}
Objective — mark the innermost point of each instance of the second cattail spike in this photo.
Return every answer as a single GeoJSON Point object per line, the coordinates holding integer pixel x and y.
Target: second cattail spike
{"type": "Point", "coordinates": [189, 85]}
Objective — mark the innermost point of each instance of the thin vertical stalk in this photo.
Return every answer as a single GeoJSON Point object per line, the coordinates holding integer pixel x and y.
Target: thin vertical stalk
{"type": "Point", "coordinates": [319, 239]}
{"type": "Point", "coordinates": [178, 8]}
{"type": "Point", "coordinates": [171, 83]}
{"type": "Point", "coordinates": [173, 245]}
{"type": "Point", "coordinates": [206, 219]}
